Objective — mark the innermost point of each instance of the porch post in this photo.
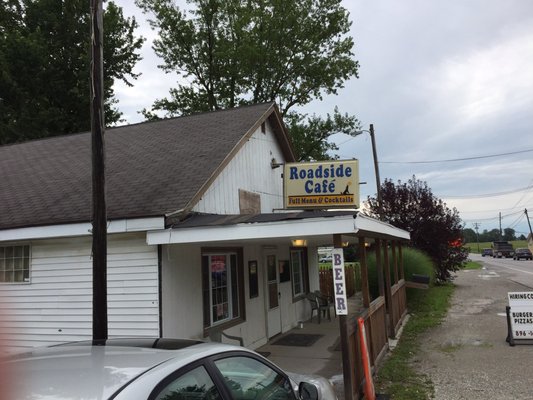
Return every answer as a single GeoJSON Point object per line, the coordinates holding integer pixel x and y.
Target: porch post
{"type": "Point", "coordinates": [388, 289]}
{"type": "Point", "coordinates": [348, 353]}
{"type": "Point", "coordinates": [364, 273]}
{"type": "Point", "coordinates": [400, 257]}
{"type": "Point", "coordinates": [379, 267]}
{"type": "Point", "coordinates": [394, 261]}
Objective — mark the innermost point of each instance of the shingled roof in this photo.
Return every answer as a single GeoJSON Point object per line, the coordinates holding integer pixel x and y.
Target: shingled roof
{"type": "Point", "coordinates": [153, 168]}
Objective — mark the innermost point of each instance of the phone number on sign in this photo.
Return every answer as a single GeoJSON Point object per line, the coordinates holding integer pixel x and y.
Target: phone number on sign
{"type": "Point", "coordinates": [523, 334]}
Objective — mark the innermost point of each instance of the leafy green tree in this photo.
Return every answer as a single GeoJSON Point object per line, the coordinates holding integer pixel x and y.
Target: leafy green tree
{"type": "Point", "coordinates": [509, 234]}
{"type": "Point", "coordinates": [310, 134]}
{"type": "Point", "coordinates": [434, 227]}
{"type": "Point", "coordinates": [469, 235]}
{"type": "Point", "coordinates": [236, 52]}
{"type": "Point", "coordinates": [489, 236]}
{"type": "Point", "coordinates": [45, 61]}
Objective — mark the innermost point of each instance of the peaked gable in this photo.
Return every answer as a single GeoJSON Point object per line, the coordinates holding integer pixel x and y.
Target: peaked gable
{"type": "Point", "coordinates": [152, 168]}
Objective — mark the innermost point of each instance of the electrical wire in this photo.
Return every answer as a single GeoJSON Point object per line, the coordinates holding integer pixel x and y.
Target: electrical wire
{"type": "Point", "coordinates": [458, 159]}
{"type": "Point", "coordinates": [524, 195]}
{"type": "Point", "coordinates": [497, 210]}
{"type": "Point", "coordinates": [517, 221]}
{"type": "Point", "coordinates": [477, 196]}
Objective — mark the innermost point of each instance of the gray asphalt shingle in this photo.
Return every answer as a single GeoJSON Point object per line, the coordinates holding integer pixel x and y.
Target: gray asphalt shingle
{"type": "Point", "coordinates": [153, 168]}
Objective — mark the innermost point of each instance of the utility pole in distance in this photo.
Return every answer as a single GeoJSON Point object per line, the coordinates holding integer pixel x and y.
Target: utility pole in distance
{"type": "Point", "coordinates": [500, 219]}
{"type": "Point", "coordinates": [528, 222]}
{"type": "Point", "coordinates": [99, 215]}
{"type": "Point", "coordinates": [476, 227]}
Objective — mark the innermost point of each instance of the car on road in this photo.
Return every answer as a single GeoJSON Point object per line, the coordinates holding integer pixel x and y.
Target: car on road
{"type": "Point", "coordinates": [524, 253]}
{"type": "Point", "coordinates": [156, 369]}
{"type": "Point", "coordinates": [486, 252]}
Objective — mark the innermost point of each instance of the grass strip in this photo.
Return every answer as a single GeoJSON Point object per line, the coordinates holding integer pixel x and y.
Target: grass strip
{"type": "Point", "coordinates": [396, 376]}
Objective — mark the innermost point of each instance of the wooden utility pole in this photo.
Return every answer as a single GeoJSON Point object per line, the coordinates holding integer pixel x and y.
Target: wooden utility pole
{"type": "Point", "coordinates": [476, 227]}
{"type": "Point", "coordinates": [99, 215]}
{"type": "Point", "coordinates": [528, 222]}
{"type": "Point", "coordinates": [376, 170]}
{"type": "Point", "coordinates": [500, 219]}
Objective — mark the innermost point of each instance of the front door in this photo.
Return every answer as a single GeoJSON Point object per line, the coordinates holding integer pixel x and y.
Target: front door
{"type": "Point", "coordinates": [273, 296]}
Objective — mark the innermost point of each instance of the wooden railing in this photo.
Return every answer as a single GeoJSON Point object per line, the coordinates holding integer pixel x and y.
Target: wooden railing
{"type": "Point", "coordinates": [399, 304]}
{"type": "Point", "coordinates": [352, 276]}
{"type": "Point", "coordinates": [376, 338]}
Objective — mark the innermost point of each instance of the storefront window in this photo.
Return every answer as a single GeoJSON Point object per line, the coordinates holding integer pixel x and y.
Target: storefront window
{"type": "Point", "coordinates": [299, 272]}
{"type": "Point", "coordinates": [222, 287]}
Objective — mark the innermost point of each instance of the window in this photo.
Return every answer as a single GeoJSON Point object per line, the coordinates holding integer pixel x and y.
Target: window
{"type": "Point", "coordinates": [223, 287]}
{"type": "Point", "coordinates": [195, 384]}
{"type": "Point", "coordinates": [300, 283]}
{"type": "Point", "coordinates": [248, 378]}
{"type": "Point", "coordinates": [15, 264]}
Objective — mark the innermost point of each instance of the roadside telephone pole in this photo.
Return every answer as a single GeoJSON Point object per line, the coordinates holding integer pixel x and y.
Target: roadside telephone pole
{"type": "Point", "coordinates": [476, 227]}
{"type": "Point", "coordinates": [528, 222]}
{"type": "Point", "coordinates": [376, 171]}
{"type": "Point", "coordinates": [500, 219]}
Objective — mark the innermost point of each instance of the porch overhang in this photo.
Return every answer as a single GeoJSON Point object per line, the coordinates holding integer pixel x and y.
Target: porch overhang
{"type": "Point", "coordinates": [317, 228]}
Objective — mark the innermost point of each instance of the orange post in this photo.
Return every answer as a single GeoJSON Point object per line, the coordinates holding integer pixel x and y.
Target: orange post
{"type": "Point", "coordinates": [369, 391]}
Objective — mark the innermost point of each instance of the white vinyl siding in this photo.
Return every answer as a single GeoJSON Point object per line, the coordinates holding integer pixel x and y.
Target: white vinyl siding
{"type": "Point", "coordinates": [249, 170]}
{"type": "Point", "coordinates": [57, 305]}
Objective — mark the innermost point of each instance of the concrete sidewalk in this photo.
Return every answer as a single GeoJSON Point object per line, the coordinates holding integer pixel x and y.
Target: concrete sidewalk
{"type": "Point", "coordinates": [321, 358]}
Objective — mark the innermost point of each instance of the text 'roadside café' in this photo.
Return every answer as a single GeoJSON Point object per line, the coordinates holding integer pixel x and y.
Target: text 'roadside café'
{"type": "Point", "coordinates": [227, 245]}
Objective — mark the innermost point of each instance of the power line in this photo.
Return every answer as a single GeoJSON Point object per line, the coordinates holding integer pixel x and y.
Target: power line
{"type": "Point", "coordinates": [523, 196]}
{"type": "Point", "coordinates": [517, 221]}
{"type": "Point", "coordinates": [477, 196]}
{"type": "Point", "coordinates": [494, 218]}
{"type": "Point", "coordinates": [457, 159]}
{"type": "Point", "coordinates": [494, 210]}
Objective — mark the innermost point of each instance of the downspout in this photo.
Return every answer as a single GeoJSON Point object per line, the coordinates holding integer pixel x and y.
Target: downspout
{"type": "Point", "coordinates": [160, 286]}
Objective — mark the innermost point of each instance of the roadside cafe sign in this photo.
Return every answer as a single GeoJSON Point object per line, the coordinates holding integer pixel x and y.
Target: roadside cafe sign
{"type": "Point", "coordinates": [520, 317]}
{"type": "Point", "coordinates": [328, 184]}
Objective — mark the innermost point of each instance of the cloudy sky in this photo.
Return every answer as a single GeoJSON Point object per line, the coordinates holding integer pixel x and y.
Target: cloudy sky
{"type": "Point", "coordinates": [448, 87]}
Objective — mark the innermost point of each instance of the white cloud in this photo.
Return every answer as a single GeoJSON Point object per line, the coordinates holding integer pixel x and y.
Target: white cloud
{"type": "Point", "coordinates": [439, 80]}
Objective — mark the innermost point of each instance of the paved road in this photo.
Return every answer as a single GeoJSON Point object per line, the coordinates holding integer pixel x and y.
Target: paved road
{"type": "Point", "coordinates": [467, 356]}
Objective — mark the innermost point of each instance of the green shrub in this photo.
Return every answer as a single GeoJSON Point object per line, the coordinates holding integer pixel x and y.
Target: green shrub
{"type": "Point", "coordinates": [414, 262]}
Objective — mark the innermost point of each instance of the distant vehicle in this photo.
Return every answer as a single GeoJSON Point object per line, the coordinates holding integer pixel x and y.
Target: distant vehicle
{"type": "Point", "coordinates": [502, 249]}
{"type": "Point", "coordinates": [325, 259]}
{"type": "Point", "coordinates": [157, 369]}
{"type": "Point", "coordinates": [522, 253]}
{"type": "Point", "coordinates": [486, 252]}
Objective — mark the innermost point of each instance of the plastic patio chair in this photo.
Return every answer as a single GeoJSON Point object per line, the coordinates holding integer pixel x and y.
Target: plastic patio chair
{"type": "Point", "coordinates": [320, 304]}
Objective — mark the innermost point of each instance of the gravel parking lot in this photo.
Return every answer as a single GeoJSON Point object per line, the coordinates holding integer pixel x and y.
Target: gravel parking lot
{"type": "Point", "coordinates": [467, 356]}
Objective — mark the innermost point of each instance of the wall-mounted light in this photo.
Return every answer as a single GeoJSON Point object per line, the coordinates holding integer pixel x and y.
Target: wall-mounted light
{"type": "Point", "coordinates": [274, 164]}
{"type": "Point", "coordinates": [299, 243]}
{"type": "Point", "coordinates": [345, 244]}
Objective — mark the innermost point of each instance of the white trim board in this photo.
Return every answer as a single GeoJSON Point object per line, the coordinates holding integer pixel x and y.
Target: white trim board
{"type": "Point", "coordinates": [80, 229]}
{"type": "Point", "coordinates": [346, 224]}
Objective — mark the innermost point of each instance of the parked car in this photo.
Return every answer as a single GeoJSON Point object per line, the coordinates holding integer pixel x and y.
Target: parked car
{"type": "Point", "coordinates": [522, 253]}
{"type": "Point", "coordinates": [156, 369]}
{"type": "Point", "coordinates": [325, 259]}
{"type": "Point", "coordinates": [486, 252]}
